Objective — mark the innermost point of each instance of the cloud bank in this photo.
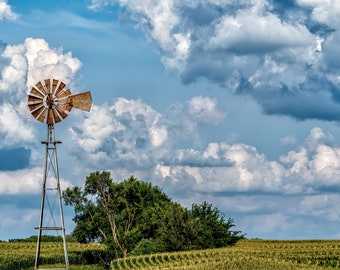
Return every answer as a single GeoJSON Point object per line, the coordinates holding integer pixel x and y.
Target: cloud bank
{"type": "Point", "coordinates": [280, 55]}
{"type": "Point", "coordinates": [267, 197]}
{"type": "Point", "coordinates": [132, 138]}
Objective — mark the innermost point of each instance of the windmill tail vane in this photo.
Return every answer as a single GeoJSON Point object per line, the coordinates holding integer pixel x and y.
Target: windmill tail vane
{"type": "Point", "coordinates": [50, 102]}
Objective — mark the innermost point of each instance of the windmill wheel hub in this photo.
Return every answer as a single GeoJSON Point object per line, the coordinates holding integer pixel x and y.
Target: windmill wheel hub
{"type": "Point", "coordinates": [48, 101]}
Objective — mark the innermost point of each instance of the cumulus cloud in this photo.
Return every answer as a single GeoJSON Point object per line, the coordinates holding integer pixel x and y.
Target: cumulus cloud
{"type": "Point", "coordinates": [235, 33]}
{"type": "Point", "coordinates": [25, 181]}
{"type": "Point", "coordinates": [133, 139]}
{"type": "Point", "coordinates": [235, 177]}
{"type": "Point", "coordinates": [6, 12]}
{"type": "Point", "coordinates": [127, 132]}
{"type": "Point", "coordinates": [325, 12]}
{"type": "Point", "coordinates": [21, 67]}
{"type": "Point", "coordinates": [280, 56]}
{"type": "Point", "coordinates": [136, 136]}
{"type": "Point", "coordinates": [13, 127]}
{"type": "Point", "coordinates": [205, 109]}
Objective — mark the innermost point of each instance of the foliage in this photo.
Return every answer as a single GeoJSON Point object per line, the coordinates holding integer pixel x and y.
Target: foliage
{"type": "Point", "coordinates": [145, 246]}
{"type": "Point", "coordinates": [34, 238]}
{"type": "Point", "coordinates": [123, 215]}
{"type": "Point", "coordinates": [44, 238]}
{"type": "Point", "coordinates": [214, 231]}
{"type": "Point", "coordinates": [177, 229]}
{"type": "Point", "coordinates": [117, 214]}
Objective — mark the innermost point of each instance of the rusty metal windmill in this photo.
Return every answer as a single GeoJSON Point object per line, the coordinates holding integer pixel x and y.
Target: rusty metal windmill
{"type": "Point", "coordinates": [50, 103]}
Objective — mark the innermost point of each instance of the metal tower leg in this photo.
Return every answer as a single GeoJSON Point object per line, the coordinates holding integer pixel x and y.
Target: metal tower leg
{"type": "Point", "coordinates": [50, 167]}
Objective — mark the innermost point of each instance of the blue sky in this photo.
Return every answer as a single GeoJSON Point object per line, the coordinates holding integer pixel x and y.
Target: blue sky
{"type": "Point", "coordinates": [232, 102]}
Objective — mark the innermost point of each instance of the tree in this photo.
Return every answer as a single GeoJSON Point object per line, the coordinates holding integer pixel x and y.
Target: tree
{"type": "Point", "coordinates": [214, 230]}
{"type": "Point", "coordinates": [177, 230]}
{"type": "Point", "coordinates": [135, 216]}
{"type": "Point", "coordinates": [117, 214]}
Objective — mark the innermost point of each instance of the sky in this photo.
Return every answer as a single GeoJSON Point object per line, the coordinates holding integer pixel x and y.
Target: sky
{"type": "Point", "coordinates": [234, 102]}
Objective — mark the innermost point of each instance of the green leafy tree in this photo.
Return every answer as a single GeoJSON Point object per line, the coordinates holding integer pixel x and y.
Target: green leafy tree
{"type": "Point", "coordinates": [214, 230]}
{"type": "Point", "coordinates": [177, 230]}
{"type": "Point", "coordinates": [136, 217]}
{"type": "Point", "coordinates": [118, 214]}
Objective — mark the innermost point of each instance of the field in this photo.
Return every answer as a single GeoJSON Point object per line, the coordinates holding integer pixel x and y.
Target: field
{"type": "Point", "coordinates": [247, 255]}
{"type": "Point", "coordinates": [14, 256]}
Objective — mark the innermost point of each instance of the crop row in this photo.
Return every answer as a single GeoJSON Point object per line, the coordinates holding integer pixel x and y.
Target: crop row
{"type": "Point", "coordinates": [247, 254]}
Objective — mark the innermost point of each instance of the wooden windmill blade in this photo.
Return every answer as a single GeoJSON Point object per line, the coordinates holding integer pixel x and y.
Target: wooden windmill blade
{"type": "Point", "coordinates": [49, 103]}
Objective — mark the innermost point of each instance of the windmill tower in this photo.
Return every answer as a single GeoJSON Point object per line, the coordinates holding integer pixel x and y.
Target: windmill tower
{"type": "Point", "coordinates": [50, 103]}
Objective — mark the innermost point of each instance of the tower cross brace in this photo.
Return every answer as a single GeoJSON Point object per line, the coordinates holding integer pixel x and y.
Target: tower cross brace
{"type": "Point", "coordinates": [51, 184]}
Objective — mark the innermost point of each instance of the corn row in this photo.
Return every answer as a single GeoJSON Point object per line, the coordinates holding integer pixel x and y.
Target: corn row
{"type": "Point", "coordinates": [247, 254]}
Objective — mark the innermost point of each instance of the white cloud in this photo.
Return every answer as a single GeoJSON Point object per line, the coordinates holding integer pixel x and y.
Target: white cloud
{"type": "Point", "coordinates": [240, 168]}
{"type": "Point", "coordinates": [45, 62]}
{"type": "Point", "coordinates": [26, 181]}
{"type": "Point", "coordinates": [258, 48]}
{"type": "Point", "coordinates": [97, 4]}
{"type": "Point", "coordinates": [13, 75]}
{"type": "Point", "coordinates": [133, 138]}
{"type": "Point", "coordinates": [205, 109]}
{"type": "Point", "coordinates": [249, 32]}
{"type": "Point", "coordinates": [14, 128]}
{"type": "Point", "coordinates": [129, 132]}
{"type": "Point", "coordinates": [223, 168]}
{"type": "Point", "coordinates": [326, 12]}
{"type": "Point", "coordinates": [288, 141]}
{"type": "Point", "coordinates": [22, 66]}
{"type": "Point", "coordinates": [321, 206]}
{"type": "Point", "coordinates": [6, 12]}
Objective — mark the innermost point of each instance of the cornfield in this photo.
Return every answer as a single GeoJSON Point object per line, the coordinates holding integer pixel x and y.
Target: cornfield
{"type": "Point", "coordinates": [22, 255]}
{"type": "Point", "coordinates": [245, 255]}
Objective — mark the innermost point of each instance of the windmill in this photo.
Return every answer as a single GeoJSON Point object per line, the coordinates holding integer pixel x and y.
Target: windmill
{"type": "Point", "coordinates": [50, 103]}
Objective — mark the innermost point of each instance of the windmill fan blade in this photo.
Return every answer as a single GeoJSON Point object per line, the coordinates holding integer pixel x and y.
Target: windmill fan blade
{"type": "Point", "coordinates": [43, 115]}
{"type": "Point", "coordinates": [61, 112]}
{"type": "Point", "coordinates": [56, 116]}
{"type": "Point", "coordinates": [33, 99]}
{"type": "Point", "coordinates": [48, 86]}
{"type": "Point", "coordinates": [34, 107]}
{"type": "Point", "coordinates": [38, 111]}
{"type": "Point", "coordinates": [54, 85]}
{"type": "Point", "coordinates": [82, 101]}
{"type": "Point", "coordinates": [61, 87]}
{"type": "Point", "coordinates": [37, 93]}
{"type": "Point", "coordinates": [64, 93]}
{"type": "Point", "coordinates": [41, 88]}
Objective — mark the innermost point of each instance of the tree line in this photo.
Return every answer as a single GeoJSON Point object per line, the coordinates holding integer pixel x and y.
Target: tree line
{"type": "Point", "coordinates": [136, 217]}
